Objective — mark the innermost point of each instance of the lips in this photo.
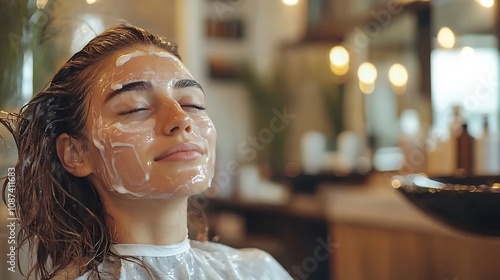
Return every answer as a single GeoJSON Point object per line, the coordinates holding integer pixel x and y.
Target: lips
{"type": "Point", "coordinates": [181, 152]}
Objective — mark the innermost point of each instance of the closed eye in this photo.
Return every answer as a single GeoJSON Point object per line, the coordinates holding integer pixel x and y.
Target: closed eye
{"type": "Point", "coordinates": [132, 111]}
{"type": "Point", "coordinates": [195, 106]}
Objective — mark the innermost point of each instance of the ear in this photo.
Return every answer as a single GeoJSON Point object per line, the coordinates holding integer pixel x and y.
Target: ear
{"type": "Point", "coordinates": [72, 155]}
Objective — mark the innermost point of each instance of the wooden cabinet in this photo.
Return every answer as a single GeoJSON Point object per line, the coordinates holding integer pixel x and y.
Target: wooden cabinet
{"type": "Point", "coordinates": [372, 253]}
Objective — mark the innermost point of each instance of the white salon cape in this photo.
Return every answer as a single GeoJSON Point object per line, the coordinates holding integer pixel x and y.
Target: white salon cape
{"type": "Point", "coordinates": [192, 260]}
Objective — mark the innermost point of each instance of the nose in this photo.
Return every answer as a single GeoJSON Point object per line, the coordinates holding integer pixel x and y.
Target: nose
{"type": "Point", "coordinates": [175, 119]}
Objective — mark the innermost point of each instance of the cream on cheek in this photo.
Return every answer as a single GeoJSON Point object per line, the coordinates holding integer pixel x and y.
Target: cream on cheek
{"type": "Point", "coordinates": [135, 177]}
{"type": "Point", "coordinates": [207, 130]}
{"type": "Point", "coordinates": [126, 171]}
{"type": "Point", "coordinates": [120, 141]}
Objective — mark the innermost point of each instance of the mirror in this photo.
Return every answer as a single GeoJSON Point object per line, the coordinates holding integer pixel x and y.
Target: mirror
{"type": "Point", "coordinates": [465, 63]}
{"type": "Point", "coordinates": [445, 53]}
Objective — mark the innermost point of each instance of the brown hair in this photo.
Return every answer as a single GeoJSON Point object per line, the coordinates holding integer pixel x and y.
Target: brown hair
{"type": "Point", "coordinates": [61, 216]}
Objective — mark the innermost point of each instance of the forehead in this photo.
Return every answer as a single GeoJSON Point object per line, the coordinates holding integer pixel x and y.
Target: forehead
{"type": "Point", "coordinates": [141, 63]}
{"type": "Point", "coordinates": [146, 63]}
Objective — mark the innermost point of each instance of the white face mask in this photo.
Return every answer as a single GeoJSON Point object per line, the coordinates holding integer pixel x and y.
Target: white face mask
{"type": "Point", "coordinates": [153, 138]}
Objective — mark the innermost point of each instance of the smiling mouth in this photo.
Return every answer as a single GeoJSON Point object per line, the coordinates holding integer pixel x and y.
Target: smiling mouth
{"type": "Point", "coordinates": [182, 152]}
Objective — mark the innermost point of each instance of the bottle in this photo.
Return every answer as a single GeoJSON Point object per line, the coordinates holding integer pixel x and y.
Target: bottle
{"type": "Point", "coordinates": [465, 152]}
{"type": "Point", "coordinates": [463, 144]}
{"type": "Point", "coordinates": [487, 152]}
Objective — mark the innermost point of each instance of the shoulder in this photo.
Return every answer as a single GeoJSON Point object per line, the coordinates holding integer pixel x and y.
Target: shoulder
{"type": "Point", "coordinates": [249, 260]}
{"type": "Point", "coordinates": [246, 254]}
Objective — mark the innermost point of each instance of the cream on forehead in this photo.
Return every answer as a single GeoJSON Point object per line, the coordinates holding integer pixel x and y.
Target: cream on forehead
{"type": "Point", "coordinates": [122, 59]}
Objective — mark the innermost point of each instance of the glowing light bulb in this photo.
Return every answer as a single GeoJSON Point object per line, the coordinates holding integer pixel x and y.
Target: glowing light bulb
{"type": "Point", "coordinates": [446, 38]}
{"type": "Point", "coordinates": [367, 73]}
{"type": "Point", "coordinates": [339, 60]}
{"type": "Point", "coordinates": [398, 75]}
{"type": "Point", "coordinates": [90, 2]}
{"type": "Point", "coordinates": [339, 56]}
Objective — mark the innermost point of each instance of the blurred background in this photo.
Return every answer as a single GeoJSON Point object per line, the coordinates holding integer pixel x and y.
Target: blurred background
{"type": "Point", "coordinates": [317, 104]}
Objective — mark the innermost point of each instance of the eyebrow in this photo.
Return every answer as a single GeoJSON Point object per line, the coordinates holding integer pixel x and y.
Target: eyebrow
{"type": "Point", "coordinates": [148, 86]}
{"type": "Point", "coordinates": [133, 86]}
{"type": "Point", "coordinates": [184, 83]}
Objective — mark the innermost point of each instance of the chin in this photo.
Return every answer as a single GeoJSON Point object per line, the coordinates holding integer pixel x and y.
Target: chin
{"type": "Point", "coordinates": [181, 187]}
{"type": "Point", "coordinates": [164, 193]}
{"type": "Point", "coordinates": [192, 189]}
{"type": "Point", "coordinates": [164, 185]}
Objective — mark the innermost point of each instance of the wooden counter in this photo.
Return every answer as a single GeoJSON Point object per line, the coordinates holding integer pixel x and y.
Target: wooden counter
{"type": "Point", "coordinates": [379, 235]}
{"type": "Point", "coordinates": [375, 233]}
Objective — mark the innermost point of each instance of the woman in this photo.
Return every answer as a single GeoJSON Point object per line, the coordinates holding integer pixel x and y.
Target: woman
{"type": "Point", "coordinates": [109, 153]}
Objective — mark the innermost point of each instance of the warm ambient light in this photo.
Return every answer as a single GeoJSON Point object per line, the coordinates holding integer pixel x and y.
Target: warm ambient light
{"type": "Point", "coordinates": [446, 38]}
{"type": "Point", "coordinates": [91, 1]}
{"type": "Point", "coordinates": [398, 75]}
{"type": "Point", "coordinates": [339, 60]}
{"type": "Point", "coordinates": [486, 3]}
{"type": "Point", "coordinates": [290, 2]}
{"type": "Point", "coordinates": [367, 73]}
{"type": "Point", "coordinates": [339, 56]}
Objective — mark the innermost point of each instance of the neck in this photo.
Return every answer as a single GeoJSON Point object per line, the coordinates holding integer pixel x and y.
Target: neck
{"type": "Point", "coordinates": [142, 221]}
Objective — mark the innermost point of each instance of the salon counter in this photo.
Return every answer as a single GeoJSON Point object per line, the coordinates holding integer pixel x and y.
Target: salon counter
{"type": "Point", "coordinates": [375, 234]}
{"type": "Point", "coordinates": [376, 204]}
{"type": "Point", "coordinates": [379, 235]}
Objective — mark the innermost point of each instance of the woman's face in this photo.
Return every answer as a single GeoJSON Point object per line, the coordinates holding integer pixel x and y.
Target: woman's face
{"type": "Point", "coordinates": [150, 135]}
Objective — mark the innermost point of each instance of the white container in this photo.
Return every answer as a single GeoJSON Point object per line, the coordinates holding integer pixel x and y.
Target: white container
{"type": "Point", "coordinates": [487, 153]}
{"type": "Point", "coordinates": [313, 148]}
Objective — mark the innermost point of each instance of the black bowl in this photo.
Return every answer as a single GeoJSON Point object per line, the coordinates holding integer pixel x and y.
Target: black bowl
{"type": "Point", "coordinates": [469, 204]}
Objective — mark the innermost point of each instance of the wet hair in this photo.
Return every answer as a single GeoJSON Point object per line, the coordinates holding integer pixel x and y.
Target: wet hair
{"type": "Point", "coordinates": [61, 216]}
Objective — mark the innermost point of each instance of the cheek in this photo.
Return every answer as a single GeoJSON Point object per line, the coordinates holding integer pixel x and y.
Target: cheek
{"type": "Point", "coordinates": [136, 130]}
{"type": "Point", "coordinates": [209, 134]}
{"type": "Point", "coordinates": [123, 149]}
{"type": "Point", "coordinates": [136, 133]}
{"type": "Point", "coordinates": [206, 129]}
